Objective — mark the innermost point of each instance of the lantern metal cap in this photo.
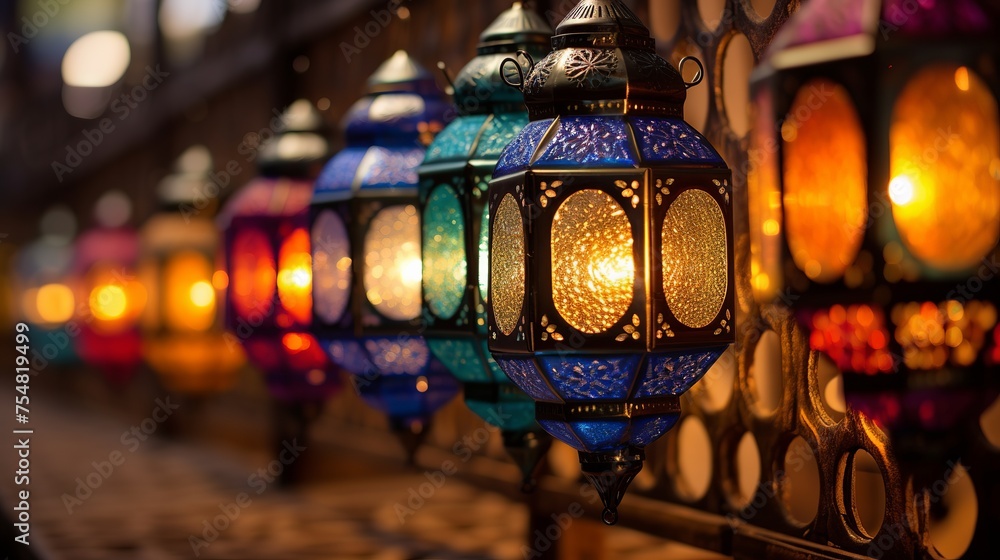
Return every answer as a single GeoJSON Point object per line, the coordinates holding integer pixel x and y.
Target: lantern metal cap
{"type": "Point", "coordinates": [516, 28]}
{"type": "Point", "coordinates": [299, 146]}
{"type": "Point", "coordinates": [400, 73]}
{"type": "Point", "coordinates": [604, 62]}
{"type": "Point", "coordinates": [479, 89]}
{"type": "Point", "coordinates": [190, 176]}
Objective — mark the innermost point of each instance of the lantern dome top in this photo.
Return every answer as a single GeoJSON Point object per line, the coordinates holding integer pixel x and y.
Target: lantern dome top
{"type": "Point", "coordinates": [299, 146]}
{"type": "Point", "coordinates": [516, 28]}
{"type": "Point", "coordinates": [478, 87]}
{"type": "Point", "coordinates": [400, 73]}
{"type": "Point", "coordinates": [191, 174]}
{"type": "Point", "coordinates": [604, 61]}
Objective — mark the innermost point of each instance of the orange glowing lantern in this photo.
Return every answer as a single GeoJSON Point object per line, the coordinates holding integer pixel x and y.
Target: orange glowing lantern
{"type": "Point", "coordinates": [111, 297]}
{"type": "Point", "coordinates": [183, 340]}
{"type": "Point", "coordinates": [875, 204]}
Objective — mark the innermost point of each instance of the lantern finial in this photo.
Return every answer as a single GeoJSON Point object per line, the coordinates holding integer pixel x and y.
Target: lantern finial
{"type": "Point", "coordinates": [611, 474]}
{"type": "Point", "coordinates": [603, 62]}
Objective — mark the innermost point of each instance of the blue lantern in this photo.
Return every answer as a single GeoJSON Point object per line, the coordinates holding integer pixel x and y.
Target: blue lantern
{"type": "Point", "coordinates": [611, 255]}
{"type": "Point", "coordinates": [366, 249]}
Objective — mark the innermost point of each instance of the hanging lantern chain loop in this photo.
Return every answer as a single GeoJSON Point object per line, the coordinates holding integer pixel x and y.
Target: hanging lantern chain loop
{"type": "Point", "coordinates": [698, 77]}
{"type": "Point", "coordinates": [522, 69]}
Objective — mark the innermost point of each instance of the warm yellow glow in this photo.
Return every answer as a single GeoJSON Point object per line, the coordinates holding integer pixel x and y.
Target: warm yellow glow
{"type": "Point", "coordinates": [962, 78]}
{"type": "Point", "coordinates": [422, 384]}
{"type": "Point", "coordinates": [202, 294]}
{"type": "Point", "coordinates": [764, 200]}
{"type": "Point", "coordinates": [593, 268]}
{"type": "Point", "coordinates": [825, 174]}
{"type": "Point", "coordinates": [188, 296]}
{"type": "Point", "coordinates": [295, 275]}
{"type": "Point", "coordinates": [108, 302]}
{"type": "Point", "coordinates": [901, 190]}
{"type": "Point", "coordinates": [943, 143]}
{"type": "Point", "coordinates": [54, 303]}
{"type": "Point", "coordinates": [393, 268]}
{"type": "Point", "coordinates": [695, 258]}
{"type": "Point", "coordinates": [507, 265]}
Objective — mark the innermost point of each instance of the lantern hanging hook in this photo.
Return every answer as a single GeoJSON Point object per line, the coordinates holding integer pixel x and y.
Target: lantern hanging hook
{"type": "Point", "coordinates": [698, 77]}
{"type": "Point", "coordinates": [521, 70]}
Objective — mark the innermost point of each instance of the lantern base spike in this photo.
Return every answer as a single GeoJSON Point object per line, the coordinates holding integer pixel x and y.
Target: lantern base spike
{"type": "Point", "coordinates": [527, 450]}
{"type": "Point", "coordinates": [611, 474]}
{"type": "Point", "coordinates": [411, 434]}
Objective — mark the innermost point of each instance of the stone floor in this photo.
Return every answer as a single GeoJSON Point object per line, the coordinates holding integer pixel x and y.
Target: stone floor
{"type": "Point", "coordinates": [164, 493]}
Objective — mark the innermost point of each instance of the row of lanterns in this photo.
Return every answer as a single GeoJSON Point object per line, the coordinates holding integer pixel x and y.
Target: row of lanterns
{"type": "Point", "coordinates": [563, 250]}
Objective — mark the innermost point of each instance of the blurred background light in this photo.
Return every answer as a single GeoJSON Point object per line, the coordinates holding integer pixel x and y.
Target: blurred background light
{"type": "Point", "coordinates": [97, 59]}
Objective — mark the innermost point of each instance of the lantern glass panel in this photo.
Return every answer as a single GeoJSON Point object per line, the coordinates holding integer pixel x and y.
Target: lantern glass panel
{"type": "Point", "coordinates": [331, 266]}
{"type": "Point", "coordinates": [253, 272]}
{"type": "Point", "coordinates": [444, 258]}
{"type": "Point", "coordinates": [507, 265]}
{"type": "Point", "coordinates": [825, 181]}
{"type": "Point", "coordinates": [189, 297]}
{"type": "Point", "coordinates": [295, 276]}
{"type": "Point", "coordinates": [695, 258]}
{"type": "Point", "coordinates": [945, 167]}
{"type": "Point", "coordinates": [393, 269]}
{"type": "Point", "coordinates": [764, 201]}
{"type": "Point", "coordinates": [593, 267]}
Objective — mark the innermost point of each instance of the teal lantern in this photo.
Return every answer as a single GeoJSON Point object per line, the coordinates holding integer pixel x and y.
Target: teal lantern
{"type": "Point", "coordinates": [454, 180]}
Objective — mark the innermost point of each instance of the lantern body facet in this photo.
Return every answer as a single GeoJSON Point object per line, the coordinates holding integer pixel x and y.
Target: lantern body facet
{"type": "Point", "coordinates": [112, 300]}
{"type": "Point", "coordinates": [454, 184]}
{"type": "Point", "coordinates": [611, 277]}
{"type": "Point", "coordinates": [875, 204]}
{"type": "Point", "coordinates": [366, 247]}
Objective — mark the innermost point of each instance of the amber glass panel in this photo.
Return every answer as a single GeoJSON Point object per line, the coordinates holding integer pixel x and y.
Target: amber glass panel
{"type": "Point", "coordinates": [393, 269]}
{"type": "Point", "coordinates": [945, 168]}
{"type": "Point", "coordinates": [765, 201]}
{"type": "Point", "coordinates": [695, 258]}
{"type": "Point", "coordinates": [254, 272]}
{"type": "Point", "coordinates": [825, 180]}
{"type": "Point", "coordinates": [507, 265]}
{"type": "Point", "coordinates": [295, 276]}
{"type": "Point", "coordinates": [593, 267]}
{"type": "Point", "coordinates": [189, 297]}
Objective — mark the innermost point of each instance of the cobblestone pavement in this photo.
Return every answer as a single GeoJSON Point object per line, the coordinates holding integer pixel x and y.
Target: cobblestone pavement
{"type": "Point", "coordinates": [162, 497]}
